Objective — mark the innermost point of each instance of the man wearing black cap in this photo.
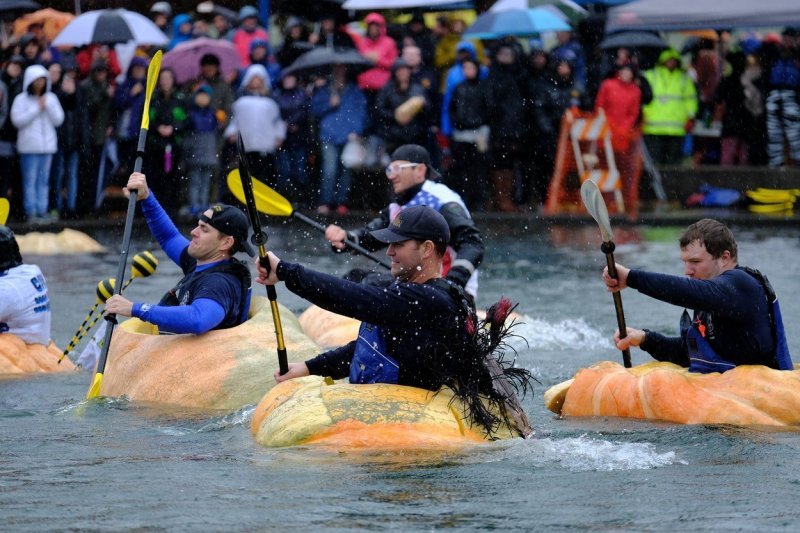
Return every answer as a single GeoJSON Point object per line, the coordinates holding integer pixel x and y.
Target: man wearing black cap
{"type": "Point", "coordinates": [407, 328]}
{"type": "Point", "coordinates": [411, 174]}
{"type": "Point", "coordinates": [215, 290]}
{"type": "Point", "coordinates": [24, 303]}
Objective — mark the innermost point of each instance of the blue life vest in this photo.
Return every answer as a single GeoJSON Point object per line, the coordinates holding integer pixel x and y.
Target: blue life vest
{"type": "Point", "coordinates": [371, 363]}
{"type": "Point", "coordinates": [703, 358]}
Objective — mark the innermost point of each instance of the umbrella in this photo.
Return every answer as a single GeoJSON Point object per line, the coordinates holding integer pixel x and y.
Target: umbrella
{"type": "Point", "coordinates": [519, 23]}
{"type": "Point", "coordinates": [564, 9]}
{"type": "Point", "coordinates": [319, 61]}
{"type": "Point", "coordinates": [312, 10]}
{"type": "Point", "coordinates": [11, 8]}
{"type": "Point", "coordinates": [672, 15]}
{"type": "Point", "coordinates": [632, 39]}
{"type": "Point", "coordinates": [110, 26]}
{"type": "Point", "coordinates": [398, 4]}
{"type": "Point", "coordinates": [52, 22]}
{"type": "Point", "coordinates": [184, 59]}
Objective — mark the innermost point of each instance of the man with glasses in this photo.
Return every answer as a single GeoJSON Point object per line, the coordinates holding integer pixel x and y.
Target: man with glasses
{"type": "Point", "coordinates": [411, 176]}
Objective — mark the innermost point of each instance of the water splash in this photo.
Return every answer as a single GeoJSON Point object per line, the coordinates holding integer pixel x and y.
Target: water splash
{"type": "Point", "coordinates": [121, 403]}
{"type": "Point", "coordinates": [585, 454]}
{"type": "Point", "coordinates": [219, 423]}
{"type": "Point", "coordinates": [574, 334]}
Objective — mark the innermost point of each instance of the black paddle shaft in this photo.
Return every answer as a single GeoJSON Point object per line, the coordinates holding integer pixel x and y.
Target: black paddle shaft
{"type": "Point", "coordinates": [350, 244]}
{"type": "Point", "coordinates": [608, 249]}
{"type": "Point", "coordinates": [259, 239]}
{"type": "Point", "coordinates": [123, 254]}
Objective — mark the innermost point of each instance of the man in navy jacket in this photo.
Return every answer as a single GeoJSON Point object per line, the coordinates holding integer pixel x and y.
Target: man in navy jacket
{"type": "Point", "coordinates": [736, 320]}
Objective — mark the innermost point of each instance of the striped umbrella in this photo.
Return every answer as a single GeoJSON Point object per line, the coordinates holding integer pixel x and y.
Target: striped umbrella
{"type": "Point", "coordinates": [110, 26]}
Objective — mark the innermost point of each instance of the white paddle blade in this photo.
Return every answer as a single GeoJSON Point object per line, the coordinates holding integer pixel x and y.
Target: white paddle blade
{"type": "Point", "coordinates": [593, 200]}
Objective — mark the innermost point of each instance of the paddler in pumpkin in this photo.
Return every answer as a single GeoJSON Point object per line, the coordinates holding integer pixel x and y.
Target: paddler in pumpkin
{"type": "Point", "coordinates": [412, 178]}
{"type": "Point", "coordinates": [24, 302]}
{"type": "Point", "coordinates": [736, 321]}
{"type": "Point", "coordinates": [419, 331]}
{"type": "Point", "coordinates": [215, 290]}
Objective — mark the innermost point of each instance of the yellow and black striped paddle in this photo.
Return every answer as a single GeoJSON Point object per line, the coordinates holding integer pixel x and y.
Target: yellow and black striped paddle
{"type": "Point", "coordinates": [144, 265]}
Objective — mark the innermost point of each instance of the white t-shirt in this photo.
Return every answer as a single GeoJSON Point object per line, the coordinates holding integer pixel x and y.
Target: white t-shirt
{"type": "Point", "coordinates": [24, 304]}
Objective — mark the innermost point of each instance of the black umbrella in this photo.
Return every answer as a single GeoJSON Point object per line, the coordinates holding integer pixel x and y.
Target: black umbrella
{"type": "Point", "coordinates": [16, 7]}
{"type": "Point", "coordinates": [632, 39]}
{"type": "Point", "coordinates": [320, 60]}
{"type": "Point", "coordinates": [313, 10]}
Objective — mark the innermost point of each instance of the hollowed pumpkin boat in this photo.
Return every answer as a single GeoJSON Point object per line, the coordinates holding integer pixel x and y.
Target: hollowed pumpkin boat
{"type": "Point", "coordinates": [221, 369]}
{"type": "Point", "coordinates": [744, 396]}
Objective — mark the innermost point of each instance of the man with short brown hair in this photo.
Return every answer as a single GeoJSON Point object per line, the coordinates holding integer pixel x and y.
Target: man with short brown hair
{"type": "Point", "coordinates": [736, 319]}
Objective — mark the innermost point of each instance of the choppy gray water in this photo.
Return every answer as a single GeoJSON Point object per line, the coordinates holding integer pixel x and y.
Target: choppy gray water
{"type": "Point", "coordinates": [117, 465]}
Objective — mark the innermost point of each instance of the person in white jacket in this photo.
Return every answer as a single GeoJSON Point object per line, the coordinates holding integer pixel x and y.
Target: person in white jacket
{"type": "Point", "coordinates": [36, 113]}
{"type": "Point", "coordinates": [258, 118]}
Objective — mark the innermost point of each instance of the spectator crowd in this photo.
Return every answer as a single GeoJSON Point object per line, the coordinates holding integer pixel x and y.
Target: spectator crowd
{"type": "Point", "coordinates": [488, 112]}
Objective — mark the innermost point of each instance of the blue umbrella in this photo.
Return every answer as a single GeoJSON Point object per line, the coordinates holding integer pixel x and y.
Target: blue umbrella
{"type": "Point", "coordinates": [519, 23]}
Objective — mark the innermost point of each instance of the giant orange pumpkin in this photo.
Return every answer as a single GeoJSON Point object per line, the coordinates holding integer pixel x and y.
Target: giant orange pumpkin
{"type": "Point", "coordinates": [745, 395]}
{"type": "Point", "coordinates": [221, 369]}
{"type": "Point", "coordinates": [68, 241]}
{"type": "Point", "coordinates": [314, 410]}
{"type": "Point", "coordinates": [17, 357]}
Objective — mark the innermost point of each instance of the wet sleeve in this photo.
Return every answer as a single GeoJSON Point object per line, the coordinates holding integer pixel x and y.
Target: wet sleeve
{"type": "Point", "coordinates": [663, 348]}
{"type": "Point", "coordinates": [362, 236]}
{"type": "Point", "coordinates": [334, 363]}
{"type": "Point", "coordinates": [726, 295]}
{"type": "Point", "coordinates": [163, 229]}
{"type": "Point", "coordinates": [465, 239]}
{"type": "Point", "coordinates": [200, 316]}
{"type": "Point", "coordinates": [399, 303]}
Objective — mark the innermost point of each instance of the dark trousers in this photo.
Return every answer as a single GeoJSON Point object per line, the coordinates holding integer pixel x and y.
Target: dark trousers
{"type": "Point", "coordinates": [468, 175]}
{"type": "Point", "coordinates": [665, 149]}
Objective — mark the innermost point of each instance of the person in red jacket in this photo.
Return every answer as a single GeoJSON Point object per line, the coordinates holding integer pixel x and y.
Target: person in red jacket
{"type": "Point", "coordinates": [379, 49]}
{"type": "Point", "coordinates": [620, 98]}
{"type": "Point", "coordinates": [248, 31]}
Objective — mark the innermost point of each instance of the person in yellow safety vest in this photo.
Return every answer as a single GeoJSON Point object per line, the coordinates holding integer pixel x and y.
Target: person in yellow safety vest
{"type": "Point", "coordinates": [670, 114]}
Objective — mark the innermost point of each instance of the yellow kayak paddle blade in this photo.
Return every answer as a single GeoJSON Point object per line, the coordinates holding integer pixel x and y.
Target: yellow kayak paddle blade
{"type": "Point", "coordinates": [5, 209]}
{"type": "Point", "coordinates": [152, 78]}
{"type": "Point", "coordinates": [268, 201]}
{"type": "Point", "coordinates": [94, 390]}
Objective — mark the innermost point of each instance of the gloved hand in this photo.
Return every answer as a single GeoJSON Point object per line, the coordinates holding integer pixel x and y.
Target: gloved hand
{"type": "Point", "coordinates": [689, 126]}
{"type": "Point", "coordinates": [459, 275]}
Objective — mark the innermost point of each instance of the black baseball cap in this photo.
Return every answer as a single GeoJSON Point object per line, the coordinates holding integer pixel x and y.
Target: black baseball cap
{"type": "Point", "coordinates": [414, 153]}
{"type": "Point", "coordinates": [231, 221]}
{"type": "Point", "coordinates": [419, 222]}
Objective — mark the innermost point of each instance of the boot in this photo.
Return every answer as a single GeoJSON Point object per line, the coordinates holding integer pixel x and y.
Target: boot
{"type": "Point", "coordinates": [503, 182]}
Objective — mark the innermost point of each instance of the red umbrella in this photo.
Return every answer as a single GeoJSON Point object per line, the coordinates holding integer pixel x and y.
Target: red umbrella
{"type": "Point", "coordinates": [184, 59]}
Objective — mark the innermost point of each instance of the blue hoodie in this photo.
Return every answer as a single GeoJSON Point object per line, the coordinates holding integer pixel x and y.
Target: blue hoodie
{"type": "Point", "coordinates": [124, 100]}
{"type": "Point", "coordinates": [177, 36]}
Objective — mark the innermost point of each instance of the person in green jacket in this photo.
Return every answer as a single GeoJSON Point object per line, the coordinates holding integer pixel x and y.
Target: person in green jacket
{"type": "Point", "coordinates": [670, 114]}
